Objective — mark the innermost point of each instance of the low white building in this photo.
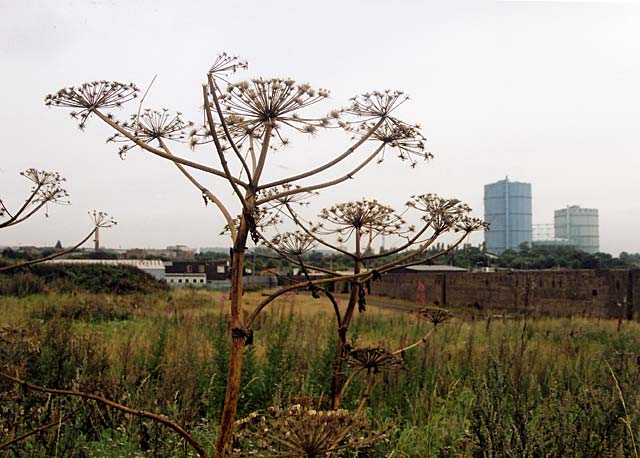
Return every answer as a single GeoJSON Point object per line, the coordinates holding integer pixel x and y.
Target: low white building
{"type": "Point", "coordinates": [186, 279]}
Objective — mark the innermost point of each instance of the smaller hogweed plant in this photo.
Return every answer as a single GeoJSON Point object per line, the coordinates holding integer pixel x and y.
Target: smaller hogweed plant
{"type": "Point", "coordinates": [374, 360]}
{"type": "Point", "coordinates": [46, 188]}
{"type": "Point", "coordinates": [303, 430]}
{"type": "Point", "coordinates": [355, 226]}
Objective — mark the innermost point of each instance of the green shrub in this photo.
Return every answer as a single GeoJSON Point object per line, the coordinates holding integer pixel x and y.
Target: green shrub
{"type": "Point", "coordinates": [21, 284]}
{"type": "Point", "coordinates": [94, 278]}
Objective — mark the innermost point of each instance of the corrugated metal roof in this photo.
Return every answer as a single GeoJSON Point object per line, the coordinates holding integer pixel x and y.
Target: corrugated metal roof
{"type": "Point", "coordinates": [139, 263]}
{"type": "Point", "coordinates": [435, 268]}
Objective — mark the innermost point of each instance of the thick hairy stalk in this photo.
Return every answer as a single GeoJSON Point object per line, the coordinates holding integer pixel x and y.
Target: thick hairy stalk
{"type": "Point", "coordinates": [238, 337]}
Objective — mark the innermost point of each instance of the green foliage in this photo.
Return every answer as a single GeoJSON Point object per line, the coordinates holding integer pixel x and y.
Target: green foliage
{"type": "Point", "coordinates": [94, 278]}
{"type": "Point", "coordinates": [84, 310]}
{"type": "Point", "coordinates": [477, 389]}
{"type": "Point", "coordinates": [21, 284]}
{"type": "Point", "coordinates": [630, 259]}
{"type": "Point", "coordinates": [100, 254]}
{"type": "Point", "coordinates": [220, 360]}
{"type": "Point", "coordinates": [546, 257]}
{"type": "Point", "coordinates": [156, 356]}
{"type": "Point", "coordinates": [211, 256]}
{"type": "Point", "coordinates": [276, 374]}
{"type": "Point", "coordinates": [526, 257]}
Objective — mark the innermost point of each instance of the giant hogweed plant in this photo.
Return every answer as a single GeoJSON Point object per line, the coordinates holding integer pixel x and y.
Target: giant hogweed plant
{"type": "Point", "coordinates": [245, 123]}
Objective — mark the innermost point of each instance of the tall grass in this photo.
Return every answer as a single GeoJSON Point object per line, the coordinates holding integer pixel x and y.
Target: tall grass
{"type": "Point", "coordinates": [484, 388]}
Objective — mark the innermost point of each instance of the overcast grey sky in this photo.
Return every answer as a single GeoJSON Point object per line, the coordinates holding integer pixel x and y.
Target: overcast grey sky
{"type": "Point", "coordinates": [543, 92]}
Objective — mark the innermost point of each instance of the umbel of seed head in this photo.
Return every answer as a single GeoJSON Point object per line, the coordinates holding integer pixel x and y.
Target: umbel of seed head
{"type": "Point", "coordinates": [89, 97]}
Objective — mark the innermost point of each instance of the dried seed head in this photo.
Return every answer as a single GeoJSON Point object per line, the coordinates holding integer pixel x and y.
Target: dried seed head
{"type": "Point", "coordinates": [469, 224]}
{"type": "Point", "coordinates": [369, 217]}
{"type": "Point", "coordinates": [305, 432]}
{"type": "Point", "coordinates": [260, 219]}
{"type": "Point", "coordinates": [293, 243]}
{"type": "Point", "coordinates": [370, 109]}
{"type": "Point", "coordinates": [47, 186]}
{"type": "Point", "coordinates": [251, 108]}
{"type": "Point", "coordinates": [153, 125]}
{"type": "Point", "coordinates": [376, 104]}
{"type": "Point", "coordinates": [373, 359]}
{"type": "Point", "coordinates": [102, 219]}
{"type": "Point", "coordinates": [405, 139]}
{"type": "Point", "coordinates": [225, 65]}
{"type": "Point", "coordinates": [444, 214]}
{"type": "Point", "coordinates": [92, 96]}
{"type": "Point", "coordinates": [293, 196]}
{"type": "Point", "coordinates": [436, 315]}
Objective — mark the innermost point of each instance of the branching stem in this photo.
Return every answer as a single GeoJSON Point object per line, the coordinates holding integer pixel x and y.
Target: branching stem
{"type": "Point", "coordinates": [140, 413]}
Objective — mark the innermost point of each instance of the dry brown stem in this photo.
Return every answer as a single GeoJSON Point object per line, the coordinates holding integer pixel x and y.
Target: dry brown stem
{"type": "Point", "coordinates": [139, 413]}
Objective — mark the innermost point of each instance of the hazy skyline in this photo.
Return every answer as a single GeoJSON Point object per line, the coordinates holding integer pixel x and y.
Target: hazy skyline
{"type": "Point", "coordinates": [544, 92]}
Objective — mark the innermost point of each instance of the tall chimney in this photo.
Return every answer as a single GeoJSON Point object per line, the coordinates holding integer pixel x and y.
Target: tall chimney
{"type": "Point", "coordinates": [96, 240]}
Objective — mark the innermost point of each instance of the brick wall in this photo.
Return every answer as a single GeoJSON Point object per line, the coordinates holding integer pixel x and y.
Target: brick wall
{"type": "Point", "coordinates": [602, 293]}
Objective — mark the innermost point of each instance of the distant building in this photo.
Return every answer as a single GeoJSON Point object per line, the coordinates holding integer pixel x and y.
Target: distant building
{"type": "Point", "coordinates": [214, 249]}
{"type": "Point", "coordinates": [186, 279]}
{"type": "Point", "coordinates": [507, 209]}
{"type": "Point", "coordinates": [178, 252]}
{"type": "Point", "coordinates": [422, 268]}
{"type": "Point", "coordinates": [193, 273]}
{"type": "Point", "coordinates": [579, 226]}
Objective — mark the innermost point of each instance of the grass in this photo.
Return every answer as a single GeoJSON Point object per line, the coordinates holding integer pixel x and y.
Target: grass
{"type": "Point", "coordinates": [479, 388]}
